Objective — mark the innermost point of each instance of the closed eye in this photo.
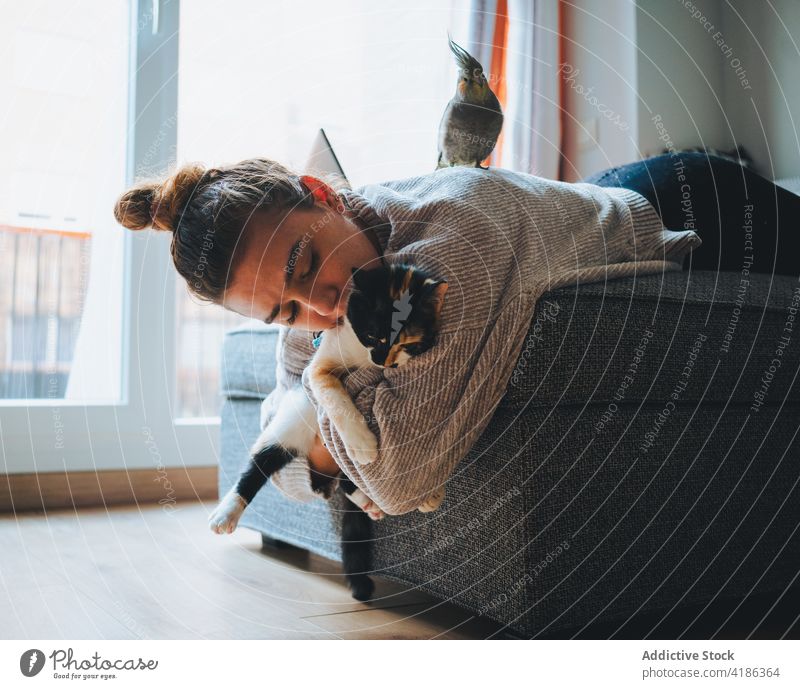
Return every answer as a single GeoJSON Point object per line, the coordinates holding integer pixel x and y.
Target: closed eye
{"type": "Point", "coordinates": [311, 268]}
{"type": "Point", "coordinates": [293, 317]}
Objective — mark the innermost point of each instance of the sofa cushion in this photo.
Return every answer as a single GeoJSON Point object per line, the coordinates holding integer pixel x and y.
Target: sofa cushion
{"type": "Point", "coordinates": [248, 362]}
{"type": "Point", "coordinates": [681, 336]}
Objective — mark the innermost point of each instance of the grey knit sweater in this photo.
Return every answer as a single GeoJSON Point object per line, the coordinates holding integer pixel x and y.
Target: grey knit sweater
{"type": "Point", "coordinates": [501, 239]}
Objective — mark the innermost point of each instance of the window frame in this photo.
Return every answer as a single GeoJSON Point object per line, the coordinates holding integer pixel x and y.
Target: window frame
{"type": "Point", "coordinates": [140, 430]}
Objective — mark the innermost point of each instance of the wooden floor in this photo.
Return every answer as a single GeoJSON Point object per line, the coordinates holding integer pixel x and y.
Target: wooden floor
{"type": "Point", "coordinates": [143, 572]}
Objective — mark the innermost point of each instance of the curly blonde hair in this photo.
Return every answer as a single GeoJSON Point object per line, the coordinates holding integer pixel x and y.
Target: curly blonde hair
{"type": "Point", "coordinates": [206, 210]}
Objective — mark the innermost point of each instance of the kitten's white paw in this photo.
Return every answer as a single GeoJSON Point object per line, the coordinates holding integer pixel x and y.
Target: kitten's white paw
{"type": "Point", "coordinates": [359, 497]}
{"type": "Point", "coordinates": [225, 518]}
{"type": "Point", "coordinates": [361, 443]}
{"type": "Point", "coordinates": [433, 501]}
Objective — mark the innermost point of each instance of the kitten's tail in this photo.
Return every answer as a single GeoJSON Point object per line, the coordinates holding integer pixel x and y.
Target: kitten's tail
{"type": "Point", "coordinates": [357, 552]}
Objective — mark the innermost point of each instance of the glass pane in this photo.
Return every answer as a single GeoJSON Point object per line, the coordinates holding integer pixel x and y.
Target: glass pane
{"type": "Point", "coordinates": [64, 79]}
{"type": "Point", "coordinates": [201, 329]}
{"type": "Point", "coordinates": [263, 81]}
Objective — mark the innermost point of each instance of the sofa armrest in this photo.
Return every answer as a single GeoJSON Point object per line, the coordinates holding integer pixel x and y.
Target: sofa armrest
{"type": "Point", "coordinates": [632, 338]}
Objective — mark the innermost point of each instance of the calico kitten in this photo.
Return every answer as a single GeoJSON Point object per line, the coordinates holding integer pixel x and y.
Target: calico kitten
{"type": "Point", "coordinates": [392, 316]}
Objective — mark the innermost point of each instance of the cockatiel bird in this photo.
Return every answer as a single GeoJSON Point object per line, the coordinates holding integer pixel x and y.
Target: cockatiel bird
{"type": "Point", "coordinates": [472, 119]}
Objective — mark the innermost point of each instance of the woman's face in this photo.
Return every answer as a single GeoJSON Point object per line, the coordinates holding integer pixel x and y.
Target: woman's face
{"type": "Point", "coordinates": [295, 270]}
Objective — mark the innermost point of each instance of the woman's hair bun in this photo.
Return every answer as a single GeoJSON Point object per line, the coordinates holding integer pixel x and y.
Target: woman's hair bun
{"type": "Point", "coordinates": [158, 204]}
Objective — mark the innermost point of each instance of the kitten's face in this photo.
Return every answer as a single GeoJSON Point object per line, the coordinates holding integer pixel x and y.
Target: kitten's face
{"type": "Point", "coordinates": [394, 312]}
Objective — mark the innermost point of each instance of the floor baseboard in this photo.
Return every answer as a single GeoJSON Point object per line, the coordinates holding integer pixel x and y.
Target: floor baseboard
{"type": "Point", "coordinates": [52, 490]}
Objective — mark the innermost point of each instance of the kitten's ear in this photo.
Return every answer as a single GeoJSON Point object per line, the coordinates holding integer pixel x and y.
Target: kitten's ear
{"type": "Point", "coordinates": [437, 295]}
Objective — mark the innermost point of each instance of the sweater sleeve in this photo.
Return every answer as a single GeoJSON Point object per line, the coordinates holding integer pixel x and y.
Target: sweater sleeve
{"type": "Point", "coordinates": [428, 413]}
{"type": "Point", "coordinates": [285, 378]}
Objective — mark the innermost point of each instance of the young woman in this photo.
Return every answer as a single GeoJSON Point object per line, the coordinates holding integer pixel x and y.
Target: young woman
{"type": "Point", "coordinates": [269, 244]}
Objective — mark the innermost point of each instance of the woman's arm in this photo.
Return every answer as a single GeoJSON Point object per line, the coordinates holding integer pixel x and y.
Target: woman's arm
{"type": "Point", "coordinates": [428, 413]}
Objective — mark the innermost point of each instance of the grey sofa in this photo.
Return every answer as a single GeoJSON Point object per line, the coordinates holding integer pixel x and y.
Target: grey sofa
{"type": "Point", "coordinates": [644, 458]}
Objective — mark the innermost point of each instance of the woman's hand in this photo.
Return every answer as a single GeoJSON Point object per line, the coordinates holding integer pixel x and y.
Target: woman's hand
{"type": "Point", "coordinates": [322, 463]}
{"type": "Point", "coordinates": [321, 460]}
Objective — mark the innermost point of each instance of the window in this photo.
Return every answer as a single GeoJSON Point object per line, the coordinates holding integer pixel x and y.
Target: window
{"type": "Point", "coordinates": [87, 331]}
{"type": "Point", "coordinates": [101, 366]}
{"type": "Point", "coordinates": [259, 79]}
{"type": "Point", "coordinates": [201, 329]}
{"type": "Point", "coordinates": [64, 78]}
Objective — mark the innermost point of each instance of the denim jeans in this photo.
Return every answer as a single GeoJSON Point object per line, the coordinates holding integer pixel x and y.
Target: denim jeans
{"type": "Point", "coordinates": [724, 203]}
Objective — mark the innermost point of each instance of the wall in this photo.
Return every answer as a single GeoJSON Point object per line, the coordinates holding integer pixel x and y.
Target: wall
{"type": "Point", "coordinates": [643, 75]}
{"type": "Point", "coordinates": [679, 65]}
{"type": "Point", "coordinates": [764, 111]}
{"type": "Point", "coordinates": [653, 74]}
{"type": "Point", "coordinates": [599, 88]}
